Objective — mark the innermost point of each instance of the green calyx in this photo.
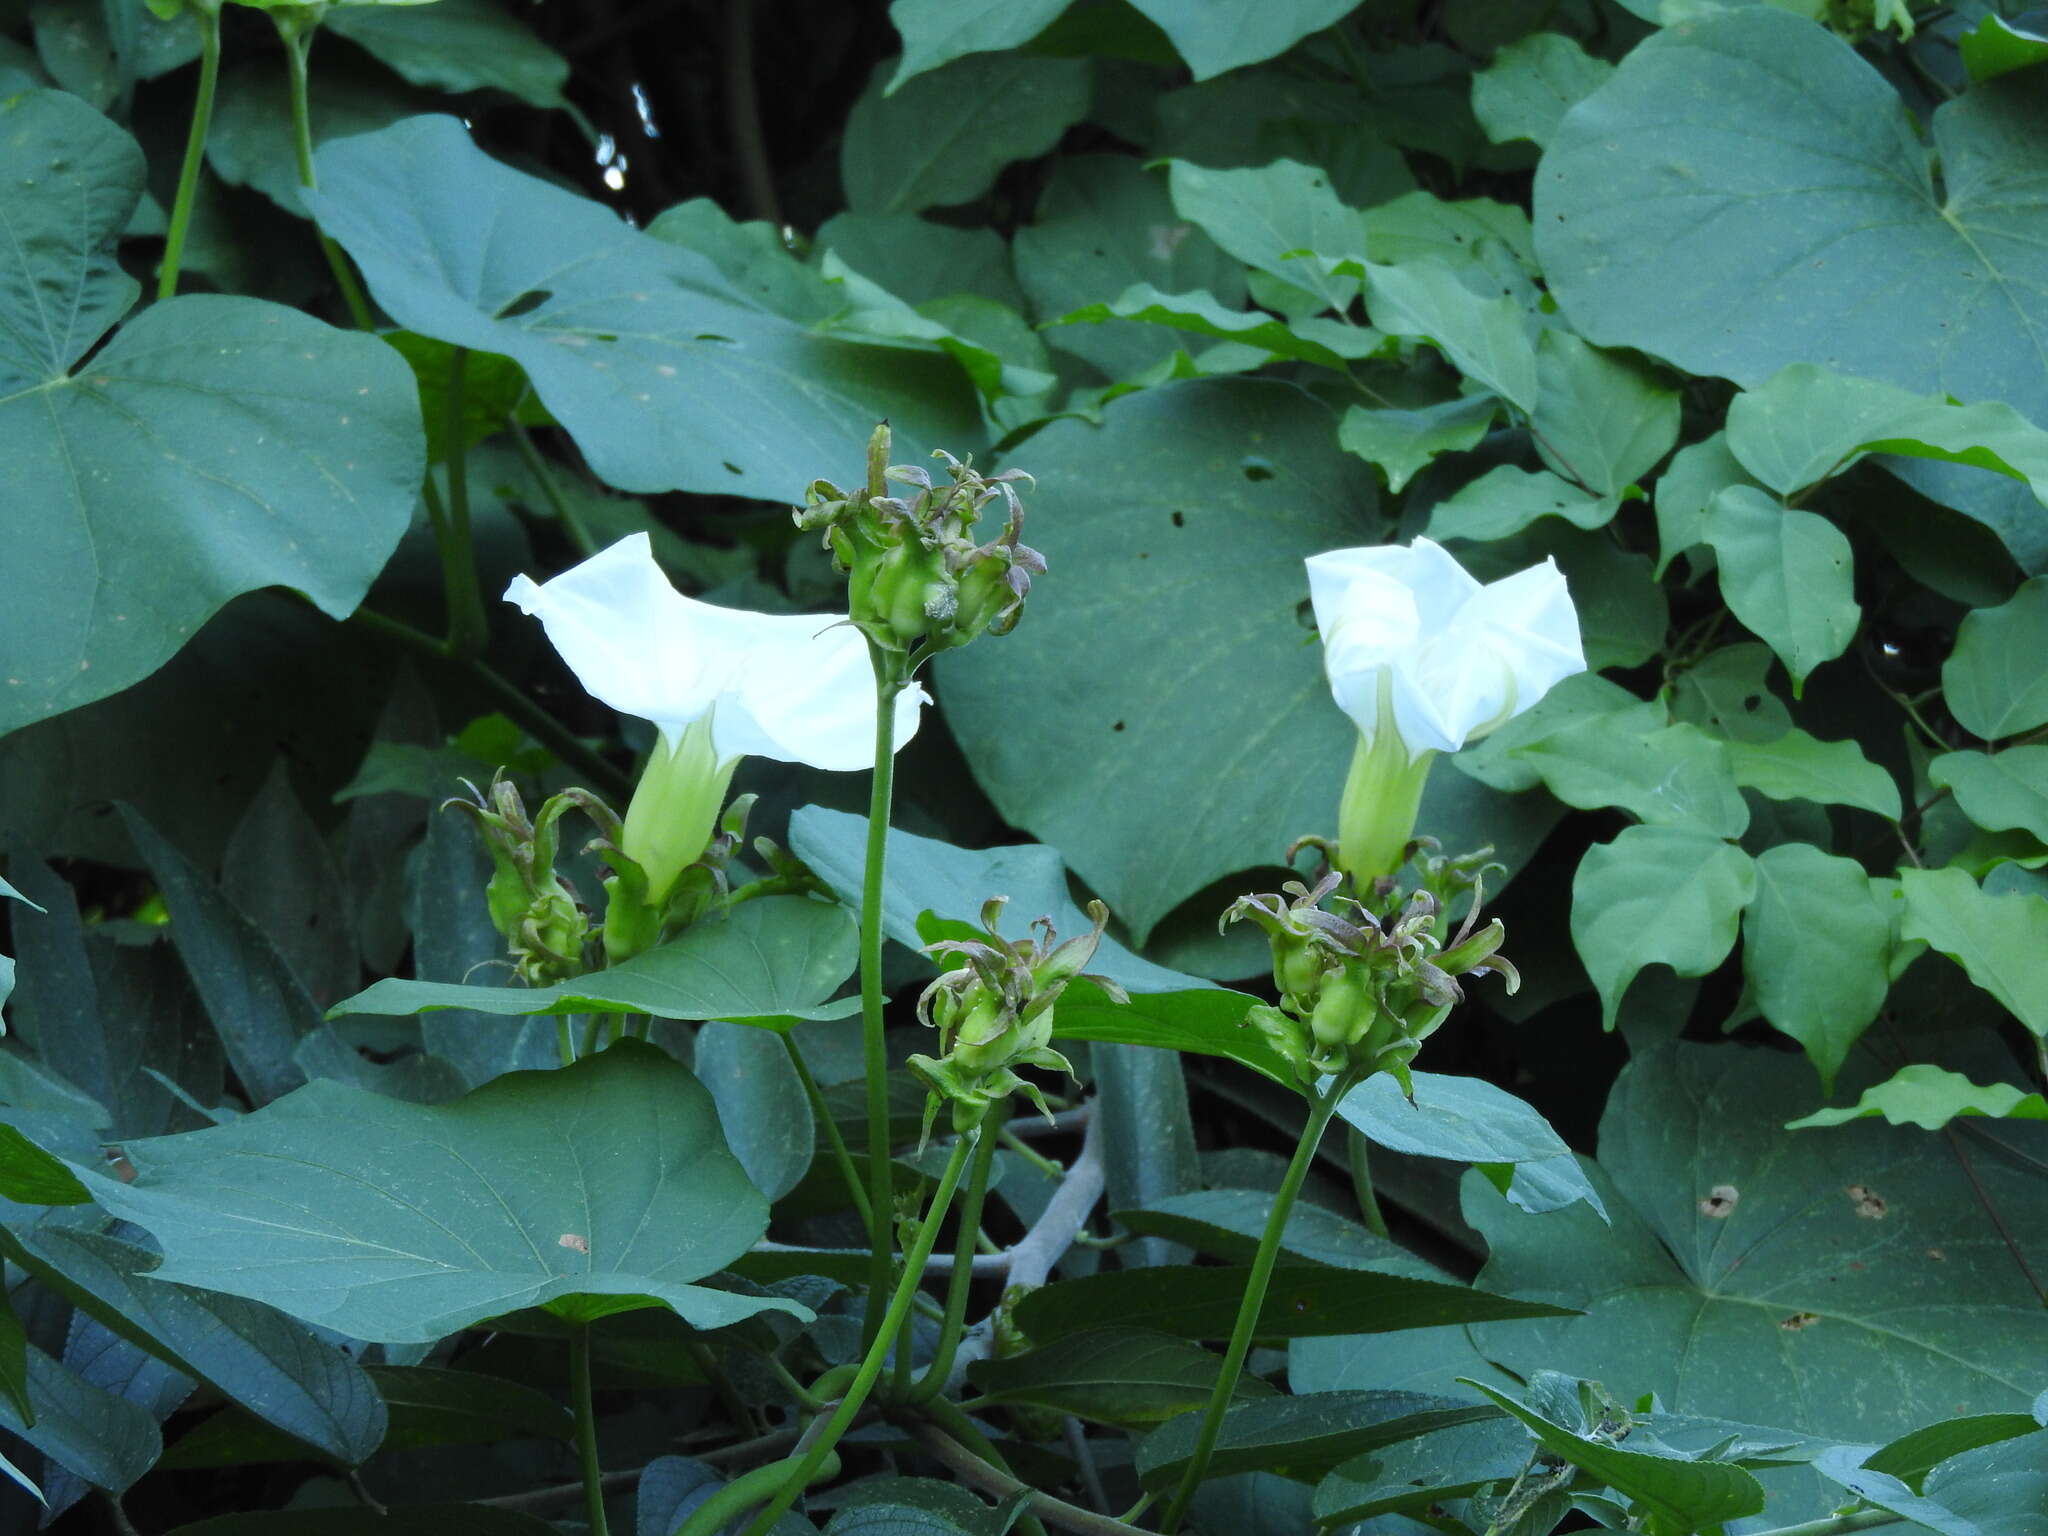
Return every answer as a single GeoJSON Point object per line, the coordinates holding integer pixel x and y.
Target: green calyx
{"type": "Point", "coordinates": [918, 576]}
{"type": "Point", "coordinates": [1382, 796]}
{"type": "Point", "coordinates": [1363, 983]}
{"type": "Point", "coordinates": [994, 1012]}
{"type": "Point", "coordinates": [674, 808]}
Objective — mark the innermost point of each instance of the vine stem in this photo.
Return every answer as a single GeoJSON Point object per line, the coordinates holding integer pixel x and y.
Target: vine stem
{"type": "Point", "coordinates": [195, 148]}
{"type": "Point", "coordinates": [1839, 1525]}
{"type": "Point", "coordinates": [1360, 1153]}
{"type": "Point", "coordinates": [804, 1467]}
{"type": "Point", "coordinates": [586, 1429]}
{"type": "Point", "coordinates": [469, 632]}
{"type": "Point", "coordinates": [889, 683]}
{"type": "Point", "coordinates": [822, 1113]}
{"type": "Point", "coordinates": [571, 520]}
{"type": "Point", "coordinates": [958, 1284]}
{"type": "Point", "coordinates": [1321, 1108]}
{"type": "Point", "coordinates": [298, 32]}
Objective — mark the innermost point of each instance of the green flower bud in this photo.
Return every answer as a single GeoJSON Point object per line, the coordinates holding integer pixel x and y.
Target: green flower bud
{"type": "Point", "coordinates": [675, 807]}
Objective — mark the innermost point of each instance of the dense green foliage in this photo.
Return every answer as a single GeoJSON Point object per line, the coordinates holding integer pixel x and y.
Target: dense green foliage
{"type": "Point", "coordinates": [1734, 1216]}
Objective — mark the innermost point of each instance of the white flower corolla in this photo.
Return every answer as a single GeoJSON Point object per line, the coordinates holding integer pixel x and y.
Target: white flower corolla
{"type": "Point", "coordinates": [1424, 659]}
{"type": "Point", "coordinates": [719, 684]}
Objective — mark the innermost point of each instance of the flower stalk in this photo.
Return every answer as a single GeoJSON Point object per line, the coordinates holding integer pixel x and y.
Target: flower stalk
{"type": "Point", "coordinates": [207, 13]}
{"type": "Point", "coordinates": [1322, 1106]}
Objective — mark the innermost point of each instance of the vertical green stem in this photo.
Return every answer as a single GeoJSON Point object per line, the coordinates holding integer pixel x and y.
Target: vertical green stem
{"type": "Point", "coordinates": [1320, 1109]}
{"type": "Point", "coordinates": [1360, 1151]}
{"type": "Point", "coordinates": [565, 1043]}
{"type": "Point", "coordinates": [571, 520]}
{"type": "Point", "coordinates": [586, 1429]}
{"type": "Point", "coordinates": [878, 1352]}
{"type": "Point", "coordinates": [822, 1113]}
{"type": "Point", "coordinates": [195, 149]}
{"type": "Point", "coordinates": [933, 1382]}
{"type": "Point", "coordinates": [874, 1050]}
{"type": "Point", "coordinates": [468, 630]}
{"type": "Point", "coordinates": [297, 32]}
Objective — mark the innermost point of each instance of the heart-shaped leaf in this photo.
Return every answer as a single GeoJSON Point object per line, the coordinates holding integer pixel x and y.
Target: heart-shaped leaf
{"type": "Point", "coordinates": [599, 1188]}
{"type": "Point", "coordinates": [213, 446]}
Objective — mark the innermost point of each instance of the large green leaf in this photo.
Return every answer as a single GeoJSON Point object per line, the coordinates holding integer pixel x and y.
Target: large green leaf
{"type": "Point", "coordinates": [1441, 1465]}
{"type": "Point", "coordinates": [1114, 1375]}
{"type": "Point", "coordinates": [940, 138]}
{"type": "Point", "coordinates": [1993, 679]}
{"type": "Point", "coordinates": [1302, 1302]}
{"type": "Point", "coordinates": [274, 1367]}
{"type": "Point", "coordinates": [1849, 1285]}
{"type": "Point", "coordinates": [1657, 894]}
{"type": "Point", "coordinates": [773, 961]}
{"type": "Point", "coordinates": [1274, 218]}
{"type": "Point", "coordinates": [598, 1188]}
{"type": "Point", "coordinates": [667, 374]}
{"type": "Point", "coordinates": [1793, 765]}
{"type": "Point", "coordinates": [1195, 734]}
{"type": "Point", "coordinates": [1228, 1224]}
{"type": "Point", "coordinates": [1747, 192]}
{"type": "Point", "coordinates": [2001, 940]}
{"type": "Point", "coordinates": [213, 446]}
{"type": "Point", "coordinates": [1530, 85]}
{"type": "Point", "coordinates": [106, 1440]}
{"type": "Point", "coordinates": [1602, 419]}
{"type": "Point", "coordinates": [1815, 943]}
{"type": "Point", "coordinates": [762, 1107]}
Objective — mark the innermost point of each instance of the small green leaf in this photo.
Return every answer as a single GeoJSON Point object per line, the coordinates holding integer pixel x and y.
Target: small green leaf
{"type": "Point", "coordinates": [1273, 218]}
{"type": "Point", "coordinates": [1122, 1376]}
{"type": "Point", "coordinates": [1225, 34]}
{"type": "Point", "coordinates": [597, 1188]}
{"type": "Point", "coordinates": [1403, 442]}
{"type": "Point", "coordinates": [940, 138]}
{"type": "Point", "coordinates": [1202, 314]}
{"type": "Point", "coordinates": [773, 961]}
{"type": "Point", "coordinates": [31, 1176]}
{"type": "Point", "coordinates": [1689, 1494]}
{"type": "Point", "coordinates": [1993, 679]}
{"type": "Point", "coordinates": [1806, 423]}
{"type": "Point", "coordinates": [1787, 574]}
{"type": "Point", "coordinates": [1435, 1468]}
{"type": "Point", "coordinates": [2002, 941]}
{"type": "Point", "coordinates": [457, 45]}
{"type": "Point", "coordinates": [1657, 894]}
{"type": "Point", "coordinates": [1676, 775]}
{"type": "Point", "coordinates": [1302, 1302]}
{"type": "Point", "coordinates": [1602, 419]}
{"type": "Point", "coordinates": [1797, 766]}
{"type": "Point", "coordinates": [1229, 1223]}
{"type": "Point", "coordinates": [1998, 791]}
{"type": "Point", "coordinates": [1486, 339]}
{"type": "Point", "coordinates": [1913, 1455]}
{"type": "Point", "coordinates": [1814, 948]}
{"type": "Point", "coordinates": [1507, 499]}
{"type": "Point", "coordinates": [1469, 1120]}
{"type": "Point", "coordinates": [106, 1440]}
{"type": "Point", "coordinates": [1305, 1434]}
{"type": "Point", "coordinates": [1530, 85]}
{"type": "Point", "coordinates": [1996, 47]}
{"type": "Point", "coordinates": [936, 32]}
{"type": "Point", "coordinates": [1929, 1097]}
{"type": "Point", "coordinates": [761, 1102]}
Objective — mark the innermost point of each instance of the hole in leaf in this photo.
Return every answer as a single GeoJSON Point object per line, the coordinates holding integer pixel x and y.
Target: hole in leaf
{"type": "Point", "coordinates": [1180, 520]}
{"type": "Point", "coordinates": [732, 468]}
{"type": "Point", "coordinates": [1256, 468]}
{"type": "Point", "coordinates": [1118, 726]}
{"type": "Point", "coordinates": [713, 336]}
{"type": "Point", "coordinates": [525, 304]}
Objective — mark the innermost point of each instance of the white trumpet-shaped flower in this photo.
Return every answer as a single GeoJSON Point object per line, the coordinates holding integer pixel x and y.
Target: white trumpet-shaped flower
{"type": "Point", "coordinates": [718, 684]}
{"type": "Point", "coordinates": [1425, 659]}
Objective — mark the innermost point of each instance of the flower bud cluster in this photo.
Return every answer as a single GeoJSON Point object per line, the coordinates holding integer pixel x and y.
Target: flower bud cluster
{"type": "Point", "coordinates": [549, 933]}
{"type": "Point", "coordinates": [918, 578]}
{"type": "Point", "coordinates": [994, 1012]}
{"type": "Point", "coordinates": [1363, 983]}
{"type": "Point", "coordinates": [544, 926]}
